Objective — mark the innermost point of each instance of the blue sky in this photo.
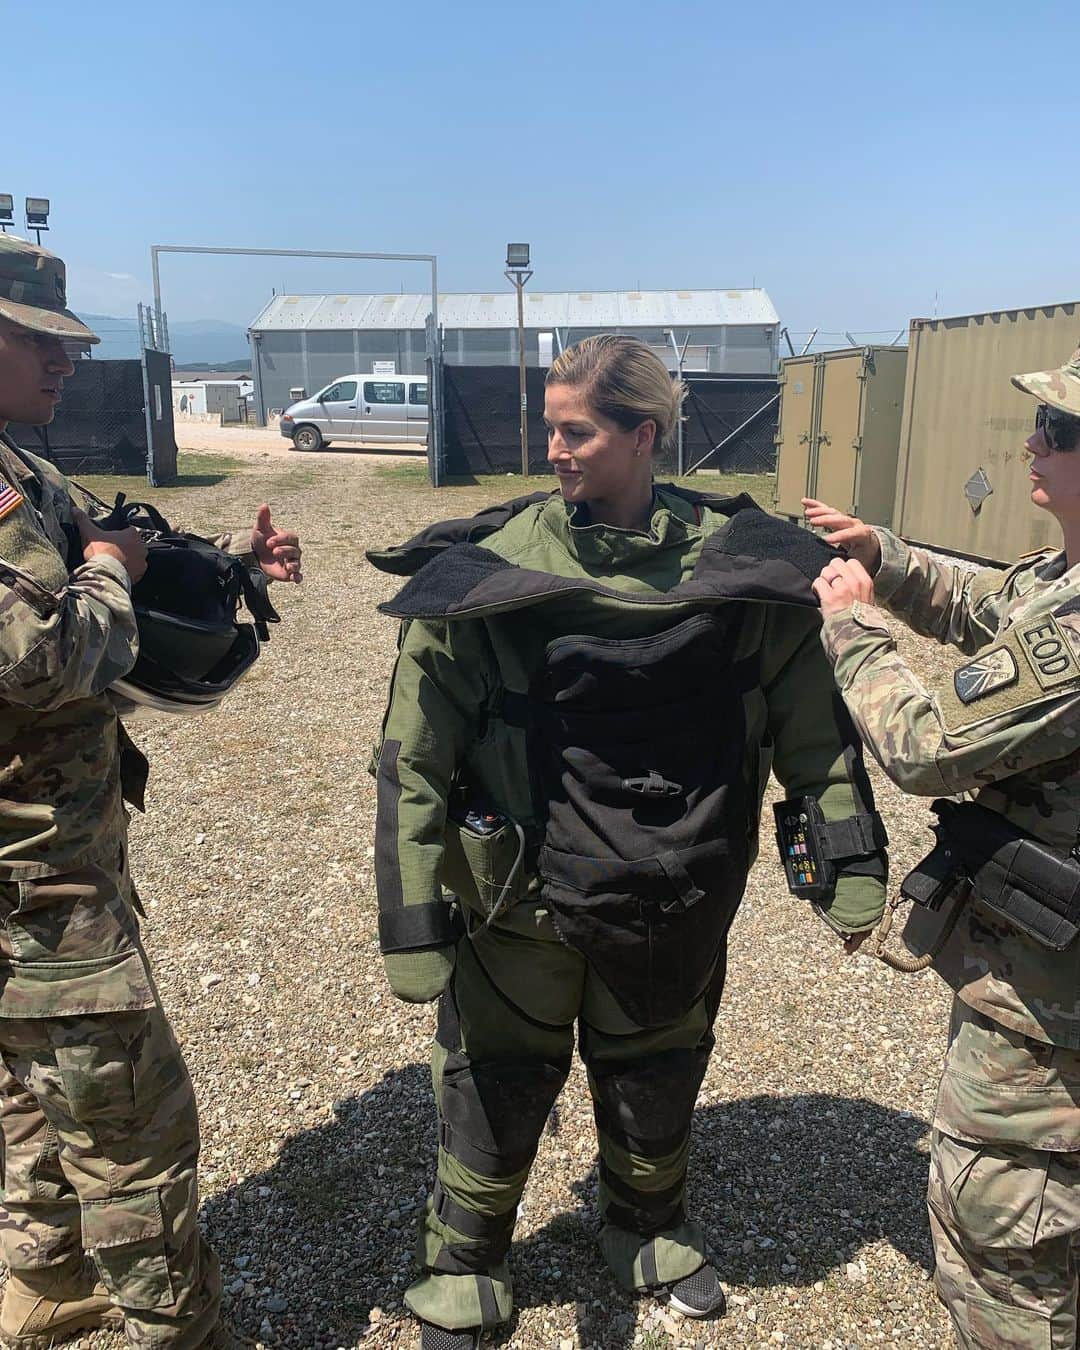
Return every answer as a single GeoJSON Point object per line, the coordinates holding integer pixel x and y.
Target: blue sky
{"type": "Point", "coordinates": [854, 160]}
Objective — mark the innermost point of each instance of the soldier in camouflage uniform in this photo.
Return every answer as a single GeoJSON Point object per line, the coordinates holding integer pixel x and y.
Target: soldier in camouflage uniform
{"type": "Point", "coordinates": [1004, 1196]}
{"type": "Point", "coordinates": [597, 832]}
{"type": "Point", "coordinates": [98, 1121]}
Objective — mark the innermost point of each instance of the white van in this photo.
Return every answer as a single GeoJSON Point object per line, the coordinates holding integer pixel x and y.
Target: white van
{"type": "Point", "coordinates": [360, 408]}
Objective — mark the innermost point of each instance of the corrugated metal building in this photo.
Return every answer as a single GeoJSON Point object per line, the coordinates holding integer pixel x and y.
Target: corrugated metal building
{"type": "Point", "coordinates": [306, 341]}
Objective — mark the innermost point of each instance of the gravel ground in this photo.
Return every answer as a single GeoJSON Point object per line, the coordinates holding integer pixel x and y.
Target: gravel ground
{"type": "Point", "coordinates": [255, 863]}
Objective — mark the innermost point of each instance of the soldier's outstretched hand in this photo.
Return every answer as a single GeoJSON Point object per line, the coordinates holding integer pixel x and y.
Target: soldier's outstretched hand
{"type": "Point", "coordinates": [841, 583]}
{"type": "Point", "coordinates": [845, 531]}
{"type": "Point", "coordinates": [278, 551]}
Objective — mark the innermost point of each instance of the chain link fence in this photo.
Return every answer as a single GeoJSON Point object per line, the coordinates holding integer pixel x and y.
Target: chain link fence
{"type": "Point", "coordinates": [106, 418]}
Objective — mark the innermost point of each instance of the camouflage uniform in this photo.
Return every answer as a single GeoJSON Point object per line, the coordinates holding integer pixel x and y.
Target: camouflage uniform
{"type": "Point", "coordinates": [1004, 1195]}
{"type": "Point", "coordinates": [519, 986]}
{"type": "Point", "coordinates": [96, 1107]}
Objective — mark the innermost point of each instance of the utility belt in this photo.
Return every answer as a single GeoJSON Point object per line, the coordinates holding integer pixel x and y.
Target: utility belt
{"type": "Point", "coordinates": [1023, 880]}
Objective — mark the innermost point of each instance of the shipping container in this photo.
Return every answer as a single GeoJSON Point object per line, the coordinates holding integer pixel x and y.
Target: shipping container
{"type": "Point", "coordinates": [839, 432]}
{"type": "Point", "coordinates": [961, 481]}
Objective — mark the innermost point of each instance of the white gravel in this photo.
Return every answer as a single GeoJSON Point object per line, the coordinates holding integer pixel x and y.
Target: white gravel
{"type": "Point", "coordinates": [255, 862]}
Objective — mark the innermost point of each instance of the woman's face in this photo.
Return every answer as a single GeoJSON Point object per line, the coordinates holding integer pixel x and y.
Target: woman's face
{"type": "Point", "coordinates": [1055, 477]}
{"type": "Point", "coordinates": [593, 457]}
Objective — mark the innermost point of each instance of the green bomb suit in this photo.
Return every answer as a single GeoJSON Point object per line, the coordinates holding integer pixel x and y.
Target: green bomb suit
{"type": "Point", "coordinates": [615, 700]}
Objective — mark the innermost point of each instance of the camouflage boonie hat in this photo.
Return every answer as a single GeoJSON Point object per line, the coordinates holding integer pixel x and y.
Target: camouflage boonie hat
{"type": "Point", "coordinates": [1056, 388]}
{"type": "Point", "coordinates": [33, 291]}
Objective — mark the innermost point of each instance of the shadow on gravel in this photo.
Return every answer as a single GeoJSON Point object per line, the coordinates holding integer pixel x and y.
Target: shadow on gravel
{"type": "Point", "coordinates": [789, 1190]}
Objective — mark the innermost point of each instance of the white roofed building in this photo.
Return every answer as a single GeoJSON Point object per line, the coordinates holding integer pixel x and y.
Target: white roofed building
{"type": "Point", "coordinates": [304, 342]}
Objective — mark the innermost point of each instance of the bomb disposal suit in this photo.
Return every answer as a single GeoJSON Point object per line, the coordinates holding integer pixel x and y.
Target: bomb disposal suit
{"type": "Point", "coordinates": [581, 724]}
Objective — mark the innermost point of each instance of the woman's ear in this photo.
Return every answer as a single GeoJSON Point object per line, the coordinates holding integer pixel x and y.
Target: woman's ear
{"type": "Point", "coordinates": [645, 436]}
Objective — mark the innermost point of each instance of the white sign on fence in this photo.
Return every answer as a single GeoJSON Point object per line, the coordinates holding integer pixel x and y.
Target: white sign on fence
{"type": "Point", "coordinates": [384, 368]}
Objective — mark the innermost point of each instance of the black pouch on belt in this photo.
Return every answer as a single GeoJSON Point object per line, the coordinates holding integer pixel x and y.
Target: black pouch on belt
{"type": "Point", "coordinates": [636, 751]}
{"type": "Point", "coordinates": [1025, 881]}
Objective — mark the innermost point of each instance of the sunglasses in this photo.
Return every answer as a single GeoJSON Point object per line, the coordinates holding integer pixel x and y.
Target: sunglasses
{"type": "Point", "coordinates": [1061, 429]}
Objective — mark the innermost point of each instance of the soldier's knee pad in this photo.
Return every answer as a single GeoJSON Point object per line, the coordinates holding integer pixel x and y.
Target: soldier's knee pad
{"type": "Point", "coordinates": [646, 1106]}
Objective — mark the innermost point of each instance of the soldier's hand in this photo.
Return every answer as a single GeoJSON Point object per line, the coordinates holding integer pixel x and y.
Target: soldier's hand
{"type": "Point", "coordinates": [126, 546]}
{"type": "Point", "coordinates": [841, 583]}
{"type": "Point", "coordinates": [278, 551]}
{"type": "Point", "coordinates": [845, 531]}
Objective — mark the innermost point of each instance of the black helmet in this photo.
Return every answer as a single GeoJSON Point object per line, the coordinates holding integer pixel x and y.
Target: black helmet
{"type": "Point", "coordinates": [192, 648]}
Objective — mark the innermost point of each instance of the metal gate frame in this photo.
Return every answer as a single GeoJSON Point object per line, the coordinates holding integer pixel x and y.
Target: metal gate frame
{"type": "Point", "coordinates": [157, 395]}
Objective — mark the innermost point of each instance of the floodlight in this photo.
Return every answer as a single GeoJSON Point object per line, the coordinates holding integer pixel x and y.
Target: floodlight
{"type": "Point", "coordinates": [37, 212]}
{"type": "Point", "coordinates": [7, 208]}
{"type": "Point", "coordinates": [517, 255]}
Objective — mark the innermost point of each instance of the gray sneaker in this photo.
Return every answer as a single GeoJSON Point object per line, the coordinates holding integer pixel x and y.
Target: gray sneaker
{"type": "Point", "coordinates": [438, 1338]}
{"type": "Point", "coordinates": [698, 1295]}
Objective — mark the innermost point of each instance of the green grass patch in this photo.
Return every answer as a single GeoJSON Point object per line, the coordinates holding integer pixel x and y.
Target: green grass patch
{"type": "Point", "coordinates": [192, 470]}
{"type": "Point", "coordinates": [495, 486]}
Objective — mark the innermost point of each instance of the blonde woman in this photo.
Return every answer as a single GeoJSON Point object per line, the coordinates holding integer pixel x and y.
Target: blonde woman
{"type": "Point", "coordinates": [591, 688]}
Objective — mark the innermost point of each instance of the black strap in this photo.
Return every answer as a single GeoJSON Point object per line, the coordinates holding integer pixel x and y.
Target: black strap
{"type": "Point", "coordinates": [650, 1276]}
{"type": "Point", "coordinates": [467, 1222]}
{"type": "Point", "coordinates": [415, 927]}
{"type": "Point", "coordinates": [856, 837]}
{"type": "Point", "coordinates": [489, 1308]}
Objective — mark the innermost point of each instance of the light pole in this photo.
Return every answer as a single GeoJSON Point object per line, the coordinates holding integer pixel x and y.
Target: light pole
{"type": "Point", "coordinates": [517, 273]}
{"type": "Point", "coordinates": [37, 215]}
{"type": "Point", "coordinates": [680, 357]}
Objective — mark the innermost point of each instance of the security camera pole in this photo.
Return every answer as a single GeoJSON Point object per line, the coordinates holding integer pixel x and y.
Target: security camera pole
{"type": "Point", "coordinates": [518, 273]}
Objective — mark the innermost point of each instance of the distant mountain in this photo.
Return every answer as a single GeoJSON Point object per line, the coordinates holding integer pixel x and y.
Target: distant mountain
{"type": "Point", "coordinates": [210, 341]}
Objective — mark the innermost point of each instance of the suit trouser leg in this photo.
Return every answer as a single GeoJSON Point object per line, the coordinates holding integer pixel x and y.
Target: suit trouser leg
{"type": "Point", "coordinates": [644, 1085]}
{"type": "Point", "coordinates": [117, 1118]}
{"type": "Point", "coordinates": [1005, 1209]}
{"type": "Point", "coordinates": [501, 1056]}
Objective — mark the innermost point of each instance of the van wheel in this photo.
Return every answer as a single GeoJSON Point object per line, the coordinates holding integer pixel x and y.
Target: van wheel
{"type": "Point", "coordinates": [307, 438]}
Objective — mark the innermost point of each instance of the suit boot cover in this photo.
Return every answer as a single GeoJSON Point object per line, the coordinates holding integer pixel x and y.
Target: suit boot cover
{"type": "Point", "coordinates": [636, 751]}
{"type": "Point", "coordinates": [41, 1307]}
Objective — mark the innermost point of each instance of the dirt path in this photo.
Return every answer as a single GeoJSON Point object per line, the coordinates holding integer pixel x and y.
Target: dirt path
{"type": "Point", "coordinates": [259, 442]}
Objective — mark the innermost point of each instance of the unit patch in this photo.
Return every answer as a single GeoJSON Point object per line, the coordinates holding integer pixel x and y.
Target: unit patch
{"type": "Point", "coordinates": [1048, 651]}
{"type": "Point", "coordinates": [10, 498]}
{"type": "Point", "coordinates": [987, 673]}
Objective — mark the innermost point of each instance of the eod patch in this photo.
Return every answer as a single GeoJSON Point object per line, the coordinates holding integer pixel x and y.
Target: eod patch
{"type": "Point", "coordinates": [1048, 651]}
{"type": "Point", "coordinates": [1031, 662]}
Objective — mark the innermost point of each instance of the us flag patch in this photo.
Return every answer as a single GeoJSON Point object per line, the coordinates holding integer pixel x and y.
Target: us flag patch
{"type": "Point", "coordinates": [10, 498]}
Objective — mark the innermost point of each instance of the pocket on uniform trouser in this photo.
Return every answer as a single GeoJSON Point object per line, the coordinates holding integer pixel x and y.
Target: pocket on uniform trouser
{"type": "Point", "coordinates": [73, 948]}
{"type": "Point", "coordinates": [125, 1235]}
{"type": "Point", "coordinates": [1000, 1272]}
{"type": "Point", "coordinates": [991, 1195]}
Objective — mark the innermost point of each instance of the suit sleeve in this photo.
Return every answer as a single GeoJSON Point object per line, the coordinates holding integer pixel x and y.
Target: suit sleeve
{"type": "Point", "coordinates": [996, 720]}
{"type": "Point", "coordinates": [953, 604]}
{"type": "Point", "coordinates": [817, 753]}
{"type": "Point", "coordinates": [440, 687]}
{"type": "Point", "coordinates": [61, 637]}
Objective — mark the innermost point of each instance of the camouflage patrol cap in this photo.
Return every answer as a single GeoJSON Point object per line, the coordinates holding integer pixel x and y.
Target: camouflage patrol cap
{"type": "Point", "coordinates": [1056, 388]}
{"type": "Point", "coordinates": [33, 291]}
